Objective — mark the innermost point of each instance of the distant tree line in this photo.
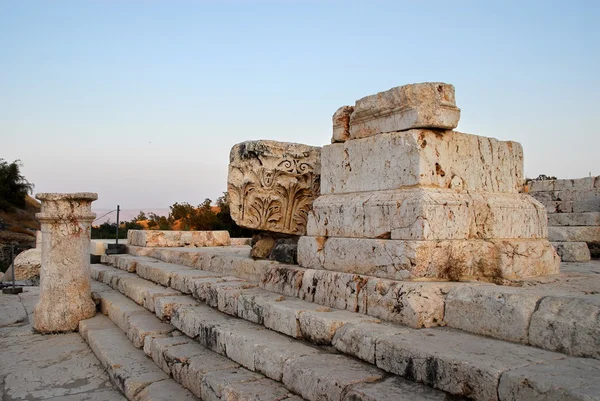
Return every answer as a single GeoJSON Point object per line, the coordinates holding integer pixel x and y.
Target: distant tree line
{"type": "Point", "coordinates": [182, 216]}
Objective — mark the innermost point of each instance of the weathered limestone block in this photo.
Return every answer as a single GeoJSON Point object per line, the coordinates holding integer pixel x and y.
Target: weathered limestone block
{"type": "Point", "coordinates": [572, 251]}
{"type": "Point", "coordinates": [558, 206]}
{"type": "Point", "coordinates": [271, 185]}
{"type": "Point", "coordinates": [65, 292]}
{"type": "Point", "coordinates": [453, 361]}
{"type": "Point", "coordinates": [414, 304]}
{"type": "Point", "coordinates": [316, 378]}
{"type": "Point", "coordinates": [151, 238]}
{"type": "Point", "coordinates": [574, 219]}
{"type": "Point", "coordinates": [341, 124]}
{"type": "Point", "coordinates": [585, 183]}
{"type": "Point", "coordinates": [394, 389]}
{"type": "Point", "coordinates": [574, 234]}
{"type": "Point", "coordinates": [494, 311]}
{"type": "Point", "coordinates": [422, 157]}
{"type": "Point", "coordinates": [241, 241]}
{"type": "Point", "coordinates": [490, 260]}
{"type": "Point", "coordinates": [27, 265]}
{"type": "Point", "coordinates": [424, 105]}
{"type": "Point", "coordinates": [567, 379]}
{"type": "Point", "coordinates": [427, 213]}
{"type": "Point", "coordinates": [567, 325]}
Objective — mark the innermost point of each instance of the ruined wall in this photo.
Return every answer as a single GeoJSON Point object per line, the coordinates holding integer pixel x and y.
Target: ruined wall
{"type": "Point", "coordinates": [573, 207]}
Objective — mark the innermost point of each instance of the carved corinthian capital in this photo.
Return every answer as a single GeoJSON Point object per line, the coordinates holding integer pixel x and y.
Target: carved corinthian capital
{"type": "Point", "coordinates": [272, 185]}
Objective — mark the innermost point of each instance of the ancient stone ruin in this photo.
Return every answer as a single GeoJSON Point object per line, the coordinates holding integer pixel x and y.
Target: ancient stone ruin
{"type": "Point", "coordinates": [388, 302]}
{"type": "Point", "coordinates": [404, 197]}
{"type": "Point", "coordinates": [573, 215]}
{"type": "Point", "coordinates": [65, 292]}
{"type": "Point", "coordinates": [271, 187]}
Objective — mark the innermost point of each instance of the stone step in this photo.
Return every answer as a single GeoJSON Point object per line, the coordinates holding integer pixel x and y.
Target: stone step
{"type": "Point", "coordinates": [136, 376]}
{"type": "Point", "coordinates": [211, 376]}
{"type": "Point", "coordinates": [574, 219]}
{"type": "Point", "coordinates": [453, 361]}
{"type": "Point", "coordinates": [574, 234]}
{"type": "Point", "coordinates": [206, 374]}
{"type": "Point", "coordinates": [572, 251]}
{"type": "Point", "coordinates": [414, 303]}
{"type": "Point", "coordinates": [502, 312]}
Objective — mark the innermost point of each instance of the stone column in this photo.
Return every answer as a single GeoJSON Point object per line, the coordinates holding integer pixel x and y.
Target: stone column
{"type": "Point", "coordinates": [65, 291]}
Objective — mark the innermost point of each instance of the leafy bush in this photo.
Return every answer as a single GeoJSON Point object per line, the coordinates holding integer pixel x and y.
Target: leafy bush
{"type": "Point", "coordinates": [13, 186]}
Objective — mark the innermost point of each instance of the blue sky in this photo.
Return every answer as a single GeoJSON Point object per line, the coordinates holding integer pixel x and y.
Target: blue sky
{"type": "Point", "coordinates": [141, 101]}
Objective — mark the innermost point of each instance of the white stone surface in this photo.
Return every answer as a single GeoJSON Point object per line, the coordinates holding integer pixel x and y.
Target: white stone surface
{"type": "Point", "coordinates": [489, 260]}
{"type": "Point", "coordinates": [97, 247]}
{"type": "Point", "coordinates": [150, 238]}
{"type": "Point", "coordinates": [318, 378]}
{"type": "Point", "coordinates": [574, 234]}
{"type": "Point", "coordinates": [427, 213]}
{"type": "Point", "coordinates": [393, 389]}
{"type": "Point", "coordinates": [422, 157]}
{"type": "Point", "coordinates": [414, 304]}
{"type": "Point", "coordinates": [568, 325]}
{"type": "Point", "coordinates": [271, 185]}
{"type": "Point", "coordinates": [27, 265]}
{"type": "Point", "coordinates": [455, 362]}
{"type": "Point", "coordinates": [572, 379]}
{"type": "Point", "coordinates": [574, 219]}
{"type": "Point", "coordinates": [65, 293]}
{"type": "Point", "coordinates": [572, 251]}
{"type": "Point", "coordinates": [47, 367]}
{"type": "Point", "coordinates": [494, 311]}
{"type": "Point", "coordinates": [423, 105]}
{"type": "Point", "coordinates": [165, 390]}
{"type": "Point", "coordinates": [130, 370]}
{"type": "Point", "coordinates": [241, 241]}
{"type": "Point", "coordinates": [585, 183]}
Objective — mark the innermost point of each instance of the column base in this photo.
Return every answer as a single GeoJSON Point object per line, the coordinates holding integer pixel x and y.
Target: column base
{"type": "Point", "coordinates": [453, 260]}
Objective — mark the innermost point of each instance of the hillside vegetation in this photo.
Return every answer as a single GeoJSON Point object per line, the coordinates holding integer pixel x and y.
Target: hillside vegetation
{"type": "Point", "coordinates": [182, 216]}
{"type": "Point", "coordinates": [17, 211]}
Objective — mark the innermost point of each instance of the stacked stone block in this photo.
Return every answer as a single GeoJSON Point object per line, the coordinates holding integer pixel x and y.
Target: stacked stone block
{"type": "Point", "coordinates": [403, 196]}
{"type": "Point", "coordinates": [573, 207]}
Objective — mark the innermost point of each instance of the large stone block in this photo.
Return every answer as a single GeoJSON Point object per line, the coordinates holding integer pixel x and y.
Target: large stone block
{"type": "Point", "coordinates": [422, 157]}
{"type": "Point", "coordinates": [568, 379]}
{"type": "Point", "coordinates": [559, 185]}
{"type": "Point", "coordinates": [427, 213]}
{"type": "Point", "coordinates": [494, 311]}
{"type": "Point", "coordinates": [151, 238]}
{"type": "Point", "coordinates": [574, 234]}
{"type": "Point", "coordinates": [341, 124]}
{"type": "Point", "coordinates": [574, 219]}
{"type": "Point", "coordinates": [491, 260]}
{"type": "Point", "coordinates": [27, 266]}
{"type": "Point", "coordinates": [572, 251]}
{"type": "Point", "coordinates": [570, 325]}
{"type": "Point", "coordinates": [424, 105]}
{"type": "Point", "coordinates": [272, 185]}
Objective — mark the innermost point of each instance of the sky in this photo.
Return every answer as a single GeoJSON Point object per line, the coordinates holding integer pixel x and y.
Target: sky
{"type": "Point", "coordinates": [141, 101]}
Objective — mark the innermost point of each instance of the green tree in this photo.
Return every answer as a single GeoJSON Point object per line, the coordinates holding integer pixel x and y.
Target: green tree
{"type": "Point", "coordinates": [141, 216]}
{"type": "Point", "coordinates": [161, 222]}
{"type": "Point", "coordinates": [13, 186]}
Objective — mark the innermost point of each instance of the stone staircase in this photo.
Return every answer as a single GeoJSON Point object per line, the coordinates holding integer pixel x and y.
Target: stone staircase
{"type": "Point", "coordinates": [224, 326]}
{"type": "Point", "coordinates": [573, 207]}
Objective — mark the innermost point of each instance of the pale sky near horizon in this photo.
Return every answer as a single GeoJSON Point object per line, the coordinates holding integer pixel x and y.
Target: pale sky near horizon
{"type": "Point", "coordinates": [141, 101]}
